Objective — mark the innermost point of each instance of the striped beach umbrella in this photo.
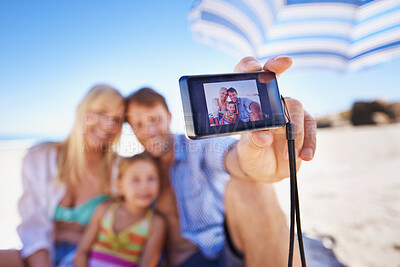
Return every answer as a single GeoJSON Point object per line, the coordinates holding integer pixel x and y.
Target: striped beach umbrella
{"type": "Point", "coordinates": [334, 34]}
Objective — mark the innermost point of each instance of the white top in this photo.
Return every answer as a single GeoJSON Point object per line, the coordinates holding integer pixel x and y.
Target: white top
{"type": "Point", "coordinates": [214, 107]}
{"type": "Point", "coordinates": [41, 195]}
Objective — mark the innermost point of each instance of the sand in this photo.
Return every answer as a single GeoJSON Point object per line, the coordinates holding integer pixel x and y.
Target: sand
{"type": "Point", "coordinates": [350, 194]}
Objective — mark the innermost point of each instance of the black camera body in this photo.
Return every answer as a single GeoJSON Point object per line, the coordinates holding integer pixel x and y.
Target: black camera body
{"type": "Point", "coordinates": [232, 103]}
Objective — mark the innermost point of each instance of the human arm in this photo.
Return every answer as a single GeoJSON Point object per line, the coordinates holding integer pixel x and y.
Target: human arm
{"type": "Point", "coordinates": [36, 228]}
{"type": "Point", "coordinates": [262, 155]}
{"type": "Point", "coordinates": [234, 118]}
{"type": "Point", "coordinates": [39, 258]}
{"type": "Point", "coordinates": [155, 243]}
{"type": "Point", "coordinates": [89, 236]}
{"type": "Point", "coordinates": [214, 107]}
{"type": "Point", "coordinates": [257, 160]}
{"type": "Point", "coordinates": [213, 112]}
{"type": "Point", "coordinates": [211, 120]}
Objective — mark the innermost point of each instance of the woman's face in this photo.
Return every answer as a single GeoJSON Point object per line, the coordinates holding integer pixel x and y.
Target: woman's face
{"type": "Point", "coordinates": [102, 126]}
{"type": "Point", "coordinates": [223, 94]}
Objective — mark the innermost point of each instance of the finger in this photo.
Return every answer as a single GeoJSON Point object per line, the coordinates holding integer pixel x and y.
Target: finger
{"type": "Point", "coordinates": [257, 154]}
{"type": "Point", "coordinates": [248, 64]}
{"type": "Point", "coordinates": [278, 64]}
{"type": "Point", "coordinates": [261, 139]}
{"type": "Point", "coordinates": [296, 113]}
{"type": "Point", "coordinates": [310, 137]}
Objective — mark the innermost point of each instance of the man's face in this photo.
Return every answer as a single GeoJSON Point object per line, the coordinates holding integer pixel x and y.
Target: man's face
{"type": "Point", "coordinates": [233, 96]}
{"type": "Point", "coordinates": [151, 127]}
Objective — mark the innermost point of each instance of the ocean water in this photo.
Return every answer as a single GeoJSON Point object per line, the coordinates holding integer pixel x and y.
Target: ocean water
{"type": "Point", "coordinates": [128, 145]}
{"type": "Point", "coordinates": [24, 142]}
{"type": "Point", "coordinates": [17, 143]}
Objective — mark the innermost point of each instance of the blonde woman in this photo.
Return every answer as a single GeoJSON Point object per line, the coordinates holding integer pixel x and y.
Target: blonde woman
{"type": "Point", "coordinates": [64, 182]}
{"type": "Point", "coordinates": [218, 107]}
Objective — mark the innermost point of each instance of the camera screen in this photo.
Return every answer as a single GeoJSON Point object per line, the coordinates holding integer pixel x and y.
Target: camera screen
{"type": "Point", "coordinates": [231, 103]}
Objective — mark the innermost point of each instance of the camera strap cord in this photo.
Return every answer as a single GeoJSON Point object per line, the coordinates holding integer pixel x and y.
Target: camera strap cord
{"type": "Point", "coordinates": [294, 195]}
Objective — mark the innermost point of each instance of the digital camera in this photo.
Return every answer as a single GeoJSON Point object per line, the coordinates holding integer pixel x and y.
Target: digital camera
{"type": "Point", "coordinates": [230, 103]}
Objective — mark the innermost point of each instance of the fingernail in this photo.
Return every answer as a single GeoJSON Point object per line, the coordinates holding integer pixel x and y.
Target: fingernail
{"type": "Point", "coordinates": [277, 57]}
{"type": "Point", "coordinates": [307, 153]}
{"type": "Point", "coordinates": [262, 139]}
{"type": "Point", "coordinates": [252, 64]}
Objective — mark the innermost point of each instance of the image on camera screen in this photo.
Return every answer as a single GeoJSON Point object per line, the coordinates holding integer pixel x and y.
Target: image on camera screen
{"type": "Point", "coordinates": [229, 102]}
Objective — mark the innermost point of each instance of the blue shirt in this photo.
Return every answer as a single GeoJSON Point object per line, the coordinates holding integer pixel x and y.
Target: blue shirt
{"type": "Point", "coordinates": [244, 108]}
{"type": "Point", "coordinates": [198, 178]}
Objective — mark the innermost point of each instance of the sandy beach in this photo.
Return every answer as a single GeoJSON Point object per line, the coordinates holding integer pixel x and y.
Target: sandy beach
{"type": "Point", "coordinates": [349, 194]}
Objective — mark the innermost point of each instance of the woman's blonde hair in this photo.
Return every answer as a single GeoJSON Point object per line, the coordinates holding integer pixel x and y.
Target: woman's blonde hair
{"type": "Point", "coordinates": [71, 158]}
{"type": "Point", "coordinates": [219, 97]}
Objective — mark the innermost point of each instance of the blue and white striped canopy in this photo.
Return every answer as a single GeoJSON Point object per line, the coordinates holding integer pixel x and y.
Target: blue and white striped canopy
{"type": "Point", "coordinates": [335, 34]}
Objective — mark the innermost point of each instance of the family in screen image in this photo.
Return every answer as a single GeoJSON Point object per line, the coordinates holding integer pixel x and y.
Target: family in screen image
{"type": "Point", "coordinates": [231, 102]}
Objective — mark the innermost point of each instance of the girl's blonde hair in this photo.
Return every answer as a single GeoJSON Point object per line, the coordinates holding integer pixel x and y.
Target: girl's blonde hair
{"type": "Point", "coordinates": [71, 159]}
{"type": "Point", "coordinates": [126, 162]}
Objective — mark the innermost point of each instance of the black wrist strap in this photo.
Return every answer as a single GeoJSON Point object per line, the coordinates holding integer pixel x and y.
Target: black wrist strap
{"type": "Point", "coordinates": [294, 195]}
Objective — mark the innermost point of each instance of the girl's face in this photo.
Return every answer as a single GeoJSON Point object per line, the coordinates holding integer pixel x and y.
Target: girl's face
{"type": "Point", "coordinates": [231, 108]}
{"type": "Point", "coordinates": [223, 94]}
{"type": "Point", "coordinates": [140, 184]}
{"type": "Point", "coordinates": [102, 126]}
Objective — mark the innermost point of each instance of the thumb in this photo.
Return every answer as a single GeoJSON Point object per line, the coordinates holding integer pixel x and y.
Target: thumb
{"type": "Point", "coordinates": [262, 139]}
{"type": "Point", "coordinates": [256, 154]}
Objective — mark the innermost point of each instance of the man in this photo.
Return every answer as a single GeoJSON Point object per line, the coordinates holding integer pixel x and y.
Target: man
{"type": "Point", "coordinates": [248, 109]}
{"type": "Point", "coordinates": [197, 197]}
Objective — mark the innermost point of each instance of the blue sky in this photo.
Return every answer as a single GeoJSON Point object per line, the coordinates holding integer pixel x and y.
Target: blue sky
{"type": "Point", "coordinates": [52, 52]}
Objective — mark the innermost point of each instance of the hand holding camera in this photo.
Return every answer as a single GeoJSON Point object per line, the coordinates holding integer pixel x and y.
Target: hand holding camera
{"type": "Point", "coordinates": [277, 134]}
{"type": "Point", "coordinates": [248, 102]}
{"type": "Point", "coordinates": [262, 155]}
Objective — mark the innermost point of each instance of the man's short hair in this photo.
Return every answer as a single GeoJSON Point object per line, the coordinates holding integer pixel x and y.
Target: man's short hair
{"type": "Point", "coordinates": [146, 96]}
{"type": "Point", "coordinates": [232, 90]}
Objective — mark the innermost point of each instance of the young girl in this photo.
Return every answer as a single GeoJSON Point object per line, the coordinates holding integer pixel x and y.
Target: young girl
{"type": "Point", "coordinates": [230, 115]}
{"type": "Point", "coordinates": [127, 233]}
